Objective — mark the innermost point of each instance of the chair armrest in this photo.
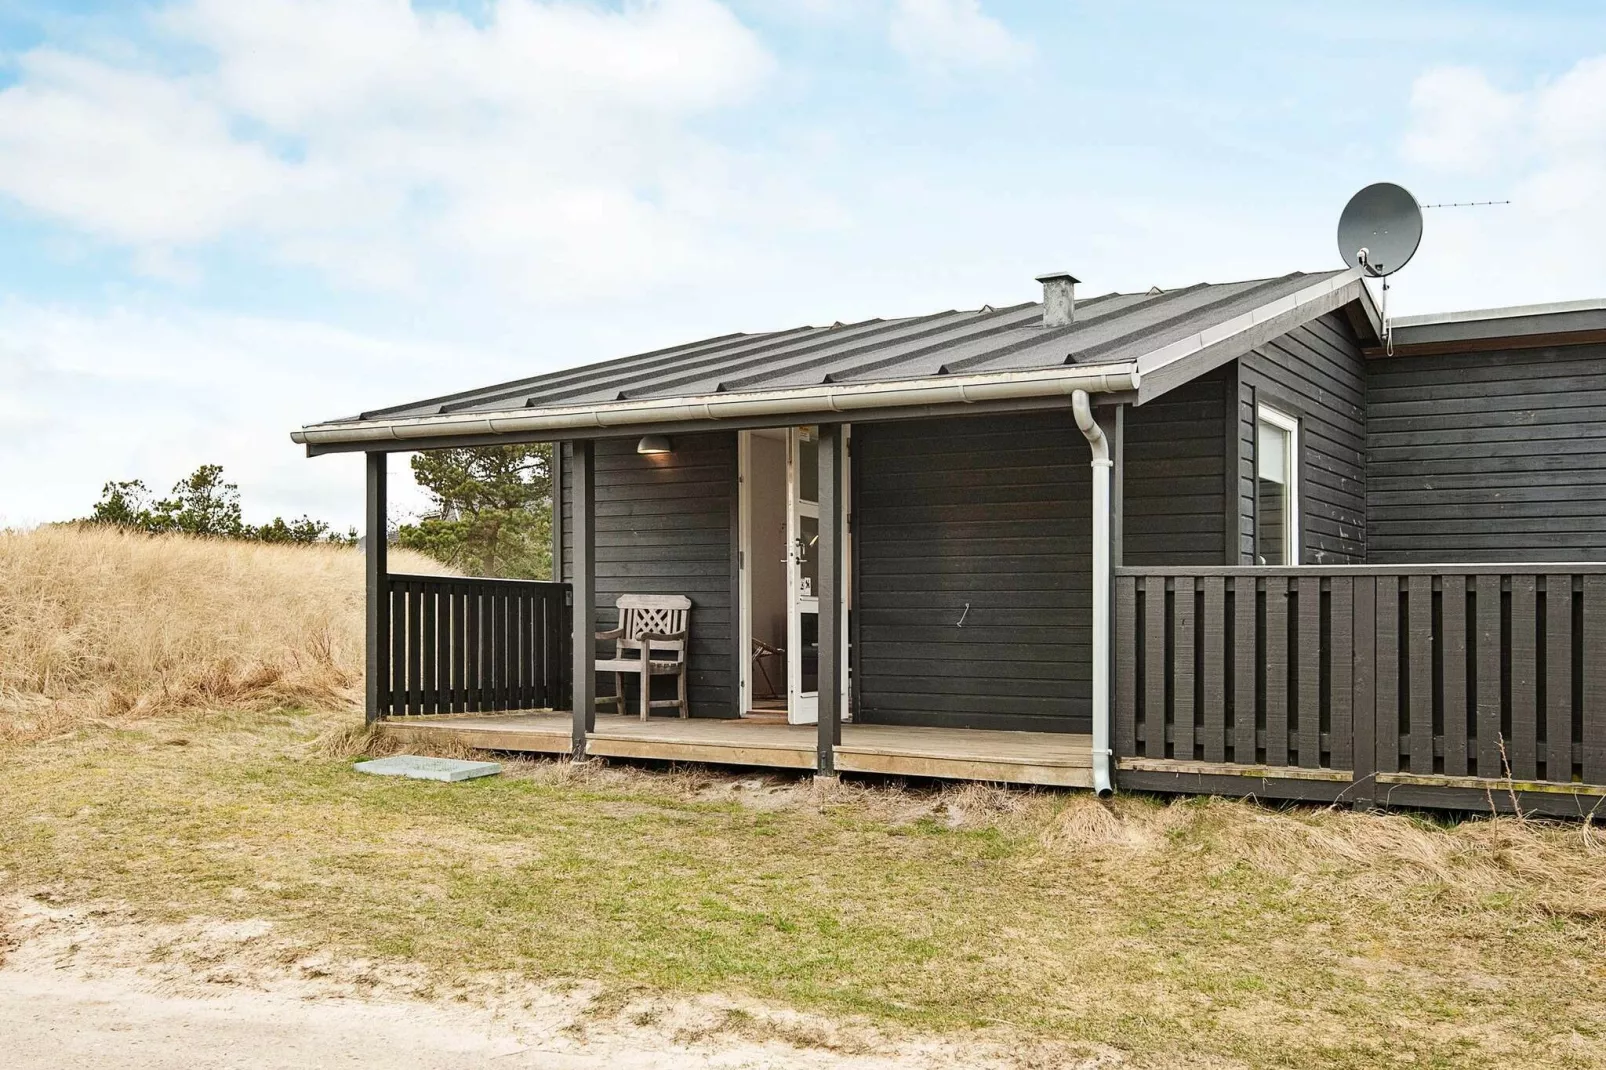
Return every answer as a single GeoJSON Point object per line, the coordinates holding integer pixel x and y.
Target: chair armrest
{"type": "Point", "coordinates": [612, 633]}
{"type": "Point", "coordinates": [662, 637]}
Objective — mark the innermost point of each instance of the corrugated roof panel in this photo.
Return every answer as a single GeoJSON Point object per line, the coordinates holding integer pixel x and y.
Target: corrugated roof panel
{"type": "Point", "coordinates": [774, 363]}
{"type": "Point", "coordinates": [607, 380]}
{"type": "Point", "coordinates": [1110, 328]}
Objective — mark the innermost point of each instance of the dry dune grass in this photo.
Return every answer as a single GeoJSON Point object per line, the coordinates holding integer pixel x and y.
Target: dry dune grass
{"type": "Point", "coordinates": [102, 625]}
{"type": "Point", "coordinates": [1552, 868]}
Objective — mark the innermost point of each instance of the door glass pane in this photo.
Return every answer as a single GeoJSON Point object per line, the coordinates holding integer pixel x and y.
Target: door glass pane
{"type": "Point", "coordinates": [808, 556]}
{"type": "Point", "coordinates": [1272, 501]}
{"type": "Point", "coordinates": [808, 467]}
{"type": "Point", "coordinates": [809, 653]}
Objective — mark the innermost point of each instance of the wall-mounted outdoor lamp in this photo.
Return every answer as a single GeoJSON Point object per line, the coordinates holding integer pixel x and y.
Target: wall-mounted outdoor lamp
{"type": "Point", "coordinates": [652, 445]}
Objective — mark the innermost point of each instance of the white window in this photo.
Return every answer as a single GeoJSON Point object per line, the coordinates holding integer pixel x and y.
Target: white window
{"type": "Point", "coordinates": [1276, 488]}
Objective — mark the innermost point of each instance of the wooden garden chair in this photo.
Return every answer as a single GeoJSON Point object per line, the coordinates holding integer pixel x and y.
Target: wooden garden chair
{"type": "Point", "coordinates": [651, 626]}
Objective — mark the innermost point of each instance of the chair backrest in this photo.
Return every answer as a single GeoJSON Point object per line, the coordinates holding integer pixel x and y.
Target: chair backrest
{"type": "Point", "coordinates": [663, 614]}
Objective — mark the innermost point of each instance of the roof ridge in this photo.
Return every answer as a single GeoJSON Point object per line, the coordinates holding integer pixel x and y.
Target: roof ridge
{"type": "Point", "coordinates": [1100, 348]}
{"type": "Point", "coordinates": [1056, 333]}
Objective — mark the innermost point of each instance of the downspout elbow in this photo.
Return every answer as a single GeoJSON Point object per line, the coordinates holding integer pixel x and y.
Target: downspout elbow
{"type": "Point", "coordinates": [1099, 443]}
{"type": "Point", "coordinates": [1082, 410]}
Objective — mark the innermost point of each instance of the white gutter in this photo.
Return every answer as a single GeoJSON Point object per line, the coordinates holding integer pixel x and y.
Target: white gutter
{"type": "Point", "coordinates": [1082, 409]}
{"type": "Point", "coordinates": [781, 404]}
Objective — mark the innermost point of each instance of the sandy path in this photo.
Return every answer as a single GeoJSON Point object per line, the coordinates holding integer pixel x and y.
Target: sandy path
{"type": "Point", "coordinates": [81, 988]}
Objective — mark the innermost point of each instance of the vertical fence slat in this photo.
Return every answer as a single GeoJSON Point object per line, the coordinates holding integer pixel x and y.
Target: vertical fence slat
{"type": "Point", "coordinates": [452, 647]}
{"type": "Point", "coordinates": [1365, 683]}
{"type": "Point", "coordinates": [1453, 663]}
{"type": "Point", "coordinates": [1594, 648]}
{"type": "Point", "coordinates": [1492, 761]}
{"type": "Point", "coordinates": [398, 647]}
{"type": "Point", "coordinates": [1276, 640]}
{"type": "Point", "coordinates": [1182, 665]}
{"type": "Point", "coordinates": [1559, 678]}
{"type": "Point", "coordinates": [431, 651]}
{"type": "Point", "coordinates": [1245, 669]}
{"type": "Point", "coordinates": [1310, 672]}
{"type": "Point", "coordinates": [1126, 683]}
{"type": "Point", "coordinates": [471, 649]}
{"type": "Point", "coordinates": [415, 648]}
{"type": "Point", "coordinates": [510, 648]}
{"type": "Point", "coordinates": [538, 651]}
{"type": "Point", "coordinates": [546, 696]}
{"type": "Point", "coordinates": [1154, 667]}
{"type": "Point", "coordinates": [1524, 678]}
{"type": "Point", "coordinates": [1387, 678]}
{"type": "Point", "coordinates": [490, 628]}
{"type": "Point", "coordinates": [1419, 666]}
{"type": "Point", "coordinates": [1214, 714]}
{"type": "Point", "coordinates": [526, 651]}
{"type": "Point", "coordinates": [1340, 670]}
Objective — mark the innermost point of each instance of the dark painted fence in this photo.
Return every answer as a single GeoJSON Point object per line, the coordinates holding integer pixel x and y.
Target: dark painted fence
{"type": "Point", "coordinates": [1365, 681]}
{"type": "Point", "coordinates": [461, 645]}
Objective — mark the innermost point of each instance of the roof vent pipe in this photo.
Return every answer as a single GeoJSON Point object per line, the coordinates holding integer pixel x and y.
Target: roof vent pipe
{"type": "Point", "coordinates": [1059, 298]}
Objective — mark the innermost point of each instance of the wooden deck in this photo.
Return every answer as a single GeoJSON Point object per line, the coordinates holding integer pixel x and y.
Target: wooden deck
{"type": "Point", "coordinates": [1055, 759]}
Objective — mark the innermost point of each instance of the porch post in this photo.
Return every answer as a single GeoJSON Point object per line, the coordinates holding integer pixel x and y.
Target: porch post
{"type": "Point", "coordinates": [831, 580]}
{"type": "Point", "coordinates": [582, 492]}
{"type": "Point", "coordinates": [376, 677]}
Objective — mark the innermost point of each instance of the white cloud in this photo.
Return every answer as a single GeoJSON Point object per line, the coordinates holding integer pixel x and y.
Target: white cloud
{"type": "Point", "coordinates": [138, 392]}
{"type": "Point", "coordinates": [1459, 120]}
{"type": "Point", "coordinates": [381, 143]}
{"type": "Point", "coordinates": [1544, 149]}
{"type": "Point", "coordinates": [946, 35]}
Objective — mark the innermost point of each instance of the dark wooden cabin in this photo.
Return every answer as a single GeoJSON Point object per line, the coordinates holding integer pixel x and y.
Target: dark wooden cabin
{"type": "Point", "coordinates": [1338, 566]}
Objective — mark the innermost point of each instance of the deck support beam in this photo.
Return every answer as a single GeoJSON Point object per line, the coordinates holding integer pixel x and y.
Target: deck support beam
{"type": "Point", "coordinates": [376, 676]}
{"type": "Point", "coordinates": [582, 492]}
{"type": "Point", "coordinates": [832, 577]}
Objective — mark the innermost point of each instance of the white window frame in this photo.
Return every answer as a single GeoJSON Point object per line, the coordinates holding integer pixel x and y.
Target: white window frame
{"type": "Point", "coordinates": [1283, 422]}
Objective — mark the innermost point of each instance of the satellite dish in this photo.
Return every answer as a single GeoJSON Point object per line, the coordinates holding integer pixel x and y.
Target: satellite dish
{"type": "Point", "coordinates": [1380, 229]}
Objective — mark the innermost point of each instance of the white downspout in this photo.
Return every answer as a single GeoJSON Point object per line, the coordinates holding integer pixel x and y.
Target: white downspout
{"type": "Point", "coordinates": [1082, 408]}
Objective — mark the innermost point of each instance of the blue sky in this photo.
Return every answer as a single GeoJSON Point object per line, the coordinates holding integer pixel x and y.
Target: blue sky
{"type": "Point", "coordinates": [223, 220]}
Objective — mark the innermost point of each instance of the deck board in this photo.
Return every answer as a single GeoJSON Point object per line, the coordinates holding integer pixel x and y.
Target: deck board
{"type": "Point", "coordinates": [1060, 759]}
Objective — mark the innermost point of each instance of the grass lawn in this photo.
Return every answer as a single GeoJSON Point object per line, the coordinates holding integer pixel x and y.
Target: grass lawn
{"type": "Point", "coordinates": [1197, 931]}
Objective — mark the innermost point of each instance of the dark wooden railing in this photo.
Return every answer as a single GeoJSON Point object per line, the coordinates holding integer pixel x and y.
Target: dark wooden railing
{"type": "Point", "coordinates": [1407, 674]}
{"type": "Point", "coordinates": [460, 645]}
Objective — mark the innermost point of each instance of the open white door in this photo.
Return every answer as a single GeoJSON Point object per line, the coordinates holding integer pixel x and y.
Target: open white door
{"type": "Point", "coordinates": [802, 576]}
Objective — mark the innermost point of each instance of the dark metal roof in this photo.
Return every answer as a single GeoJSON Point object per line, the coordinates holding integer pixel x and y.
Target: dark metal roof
{"type": "Point", "coordinates": [1585, 320]}
{"type": "Point", "coordinates": [1108, 329]}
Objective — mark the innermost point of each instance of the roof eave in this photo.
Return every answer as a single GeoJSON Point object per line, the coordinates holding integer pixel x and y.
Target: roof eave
{"type": "Point", "coordinates": [1183, 361]}
{"type": "Point", "coordinates": [782, 406]}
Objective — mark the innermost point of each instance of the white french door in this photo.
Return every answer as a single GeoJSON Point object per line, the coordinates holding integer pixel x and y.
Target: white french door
{"type": "Point", "coordinates": [802, 576]}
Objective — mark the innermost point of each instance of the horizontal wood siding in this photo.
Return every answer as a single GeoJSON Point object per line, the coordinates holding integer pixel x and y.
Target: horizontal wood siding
{"type": "Point", "coordinates": [1488, 456]}
{"type": "Point", "coordinates": [1174, 483]}
{"type": "Point", "coordinates": [993, 513]}
{"type": "Point", "coordinates": [1315, 373]}
{"type": "Point", "coordinates": [664, 527]}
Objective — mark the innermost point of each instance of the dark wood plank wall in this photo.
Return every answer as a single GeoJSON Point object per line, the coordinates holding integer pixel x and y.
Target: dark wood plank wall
{"type": "Point", "coordinates": [1175, 478]}
{"type": "Point", "coordinates": [990, 512]}
{"type": "Point", "coordinates": [664, 527]}
{"type": "Point", "coordinates": [1315, 373]}
{"type": "Point", "coordinates": [1497, 456]}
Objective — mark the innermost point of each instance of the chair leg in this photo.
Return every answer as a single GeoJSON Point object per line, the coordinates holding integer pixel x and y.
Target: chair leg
{"type": "Point", "coordinates": [619, 693]}
{"type": "Point", "coordinates": [646, 682]}
{"type": "Point", "coordinates": [680, 682]}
